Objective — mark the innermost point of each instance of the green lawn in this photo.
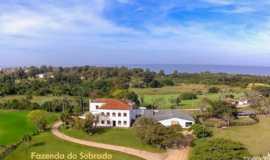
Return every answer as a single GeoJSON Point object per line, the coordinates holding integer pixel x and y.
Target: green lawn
{"type": "Point", "coordinates": [165, 101]}
{"type": "Point", "coordinates": [166, 95]}
{"type": "Point", "coordinates": [116, 136]}
{"type": "Point", "coordinates": [48, 144]}
{"type": "Point", "coordinates": [13, 125]}
{"type": "Point", "coordinates": [255, 137]}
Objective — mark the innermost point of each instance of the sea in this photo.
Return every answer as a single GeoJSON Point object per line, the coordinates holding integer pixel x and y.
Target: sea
{"type": "Point", "coordinates": [194, 68]}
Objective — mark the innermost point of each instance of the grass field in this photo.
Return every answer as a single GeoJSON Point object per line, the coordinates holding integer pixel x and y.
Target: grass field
{"type": "Point", "coordinates": [47, 144]}
{"type": "Point", "coordinates": [164, 96]}
{"type": "Point", "coordinates": [116, 136]}
{"type": "Point", "coordinates": [165, 101]}
{"type": "Point", "coordinates": [13, 125]}
{"type": "Point", "coordinates": [255, 137]}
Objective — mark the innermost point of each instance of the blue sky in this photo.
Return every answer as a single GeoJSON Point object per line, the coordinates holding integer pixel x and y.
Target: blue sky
{"type": "Point", "coordinates": [80, 32]}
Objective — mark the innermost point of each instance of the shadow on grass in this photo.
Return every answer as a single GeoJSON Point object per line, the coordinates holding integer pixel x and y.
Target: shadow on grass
{"type": "Point", "coordinates": [38, 144]}
{"type": "Point", "coordinates": [100, 130]}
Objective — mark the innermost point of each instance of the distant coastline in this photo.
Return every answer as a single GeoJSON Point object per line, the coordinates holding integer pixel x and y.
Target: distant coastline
{"type": "Point", "coordinates": [181, 68]}
{"type": "Point", "coordinates": [193, 68]}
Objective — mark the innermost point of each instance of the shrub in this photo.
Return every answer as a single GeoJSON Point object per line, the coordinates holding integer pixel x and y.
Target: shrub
{"type": "Point", "coordinates": [213, 90]}
{"type": "Point", "coordinates": [188, 96]}
{"type": "Point", "coordinates": [218, 149]}
{"type": "Point", "coordinates": [201, 131]}
{"type": "Point", "coordinates": [39, 118]}
{"type": "Point", "coordinates": [244, 121]}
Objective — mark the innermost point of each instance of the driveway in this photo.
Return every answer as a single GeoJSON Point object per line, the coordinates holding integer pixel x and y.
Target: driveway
{"type": "Point", "coordinates": [181, 154]}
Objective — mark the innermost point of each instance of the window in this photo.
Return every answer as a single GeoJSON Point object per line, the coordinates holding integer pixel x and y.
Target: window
{"type": "Point", "coordinates": [96, 106]}
{"type": "Point", "coordinates": [102, 122]}
{"type": "Point", "coordinates": [119, 114]}
{"type": "Point", "coordinates": [108, 122]}
{"type": "Point", "coordinates": [113, 114]}
{"type": "Point", "coordinates": [108, 113]}
{"type": "Point", "coordinates": [102, 113]}
{"type": "Point", "coordinates": [188, 124]}
{"type": "Point", "coordinates": [125, 122]}
{"type": "Point", "coordinates": [125, 114]}
{"type": "Point", "coordinates": [119, 122]}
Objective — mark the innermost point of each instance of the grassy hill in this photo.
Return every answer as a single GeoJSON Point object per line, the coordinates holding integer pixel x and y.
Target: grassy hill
{"type": "Point", "coordinates": [13, 125]}
{"type": "Point", "coordinates": [255, 137]}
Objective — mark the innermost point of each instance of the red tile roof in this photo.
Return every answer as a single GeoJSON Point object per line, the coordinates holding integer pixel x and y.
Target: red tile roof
{"type": "Point", "coordinates": [113, 104]}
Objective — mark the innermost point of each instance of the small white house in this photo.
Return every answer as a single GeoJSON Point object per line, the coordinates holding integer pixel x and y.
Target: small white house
{"type": "Point", "coordinates": [242, 103]}
{"type": "Point", "coordinates": [41, 76]}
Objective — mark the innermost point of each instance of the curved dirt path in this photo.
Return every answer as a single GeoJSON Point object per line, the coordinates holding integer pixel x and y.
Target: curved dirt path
{"type": "Point", "coordinates": [170, 155]}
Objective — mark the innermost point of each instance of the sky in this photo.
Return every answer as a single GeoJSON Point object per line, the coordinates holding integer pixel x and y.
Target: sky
{"type": "Point", "coordinates": [90, 32]}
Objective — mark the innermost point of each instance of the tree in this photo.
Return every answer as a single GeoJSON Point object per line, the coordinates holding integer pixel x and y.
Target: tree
{"type": "Point", "coordinates": [201, 131]}
{"type": "Point", "coordinates": [142, 125]}
{"type": "Point", "coordinates": [67, 119]}
{"type": "Point", "coordinates": [218, 149]}
{"type": "Point", "coordinates": [259, 102]}
{"type": "Point", "coordinates": [219, 109]}
{"type": "Point", "coordinates": [154, 133]}
{"type": "Point", "coordinates": [89, 123]}
{"type": "Point", "coordinates": [39, 118]}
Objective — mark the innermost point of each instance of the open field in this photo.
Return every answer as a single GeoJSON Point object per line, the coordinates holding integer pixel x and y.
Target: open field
{"type": "Point", "coordinates": [46, 143]}
{"type": "Point", "coordinates": [116, 136]}
{"type": "Point", "coordinates": [166, 95]}
{"type": "Point", "coordinates": [13, 125]}
{"type": "Point", "coordinates": [180, 88]}
{"type": "Point", "coordinates": [255, 137]}
{"type": "Point", "coordinates": [165, 101]}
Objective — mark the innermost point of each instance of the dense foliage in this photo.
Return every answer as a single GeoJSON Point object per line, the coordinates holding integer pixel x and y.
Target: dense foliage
{"type": "Point", "coordinates": [39, 118]}
{"type": "Point", "coordinates": [218, 149]}
{"type": "Point", "coordinates": [220, 108]}
{"type": "Point", "coordinates": [102, 81]}
{"type": "Point", "coordinates": [154, 133]}
{"type": "Point", "coordinates": [201, 131]}
{"type": "Point", "coordinates": [69, 105]}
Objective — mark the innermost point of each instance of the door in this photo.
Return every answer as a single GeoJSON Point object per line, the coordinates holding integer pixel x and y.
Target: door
{"type": "Point", "coordinates": [114, 123]}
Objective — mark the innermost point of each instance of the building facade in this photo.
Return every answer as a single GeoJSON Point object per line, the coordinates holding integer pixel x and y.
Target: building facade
{"type": "Point", "coordinates": [112, 113]}
{"type": "Point", "coordinates": [117, 113]}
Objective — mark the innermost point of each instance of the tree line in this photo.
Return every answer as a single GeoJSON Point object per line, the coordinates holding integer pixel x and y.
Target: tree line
{"type": "Point", "coordinates": [102, 81]}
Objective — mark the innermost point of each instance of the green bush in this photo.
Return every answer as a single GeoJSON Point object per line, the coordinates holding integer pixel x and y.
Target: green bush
{"type": "Point", "coordinates": [201, 131]}
{"type": "Point", "coordinates": [154, 133]}
{"type": "Point", "coordinates": [213, 90]}
{"type": "Point", "coordinates": [218, 149]}
{"type": "Point", "coordinates": [39, 118]}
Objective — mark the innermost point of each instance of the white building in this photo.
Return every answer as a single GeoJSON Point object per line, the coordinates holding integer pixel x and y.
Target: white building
{"type": "Point", "coordinates": [170, 117]}
{"type": "Point", "coordinates": [112, 113]}
{"type": "Point", "coordinates": [117, 113]}
{"type": "Point", "coordinates": [242, 103]}
{"type": "Point", "coordinates": [41, 76]}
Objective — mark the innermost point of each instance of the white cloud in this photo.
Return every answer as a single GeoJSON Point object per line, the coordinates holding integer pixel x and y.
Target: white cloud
{"type": "Point", "coordinates": [48, 19]}
{"type": "Point", "coordinates": [219, 2]}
